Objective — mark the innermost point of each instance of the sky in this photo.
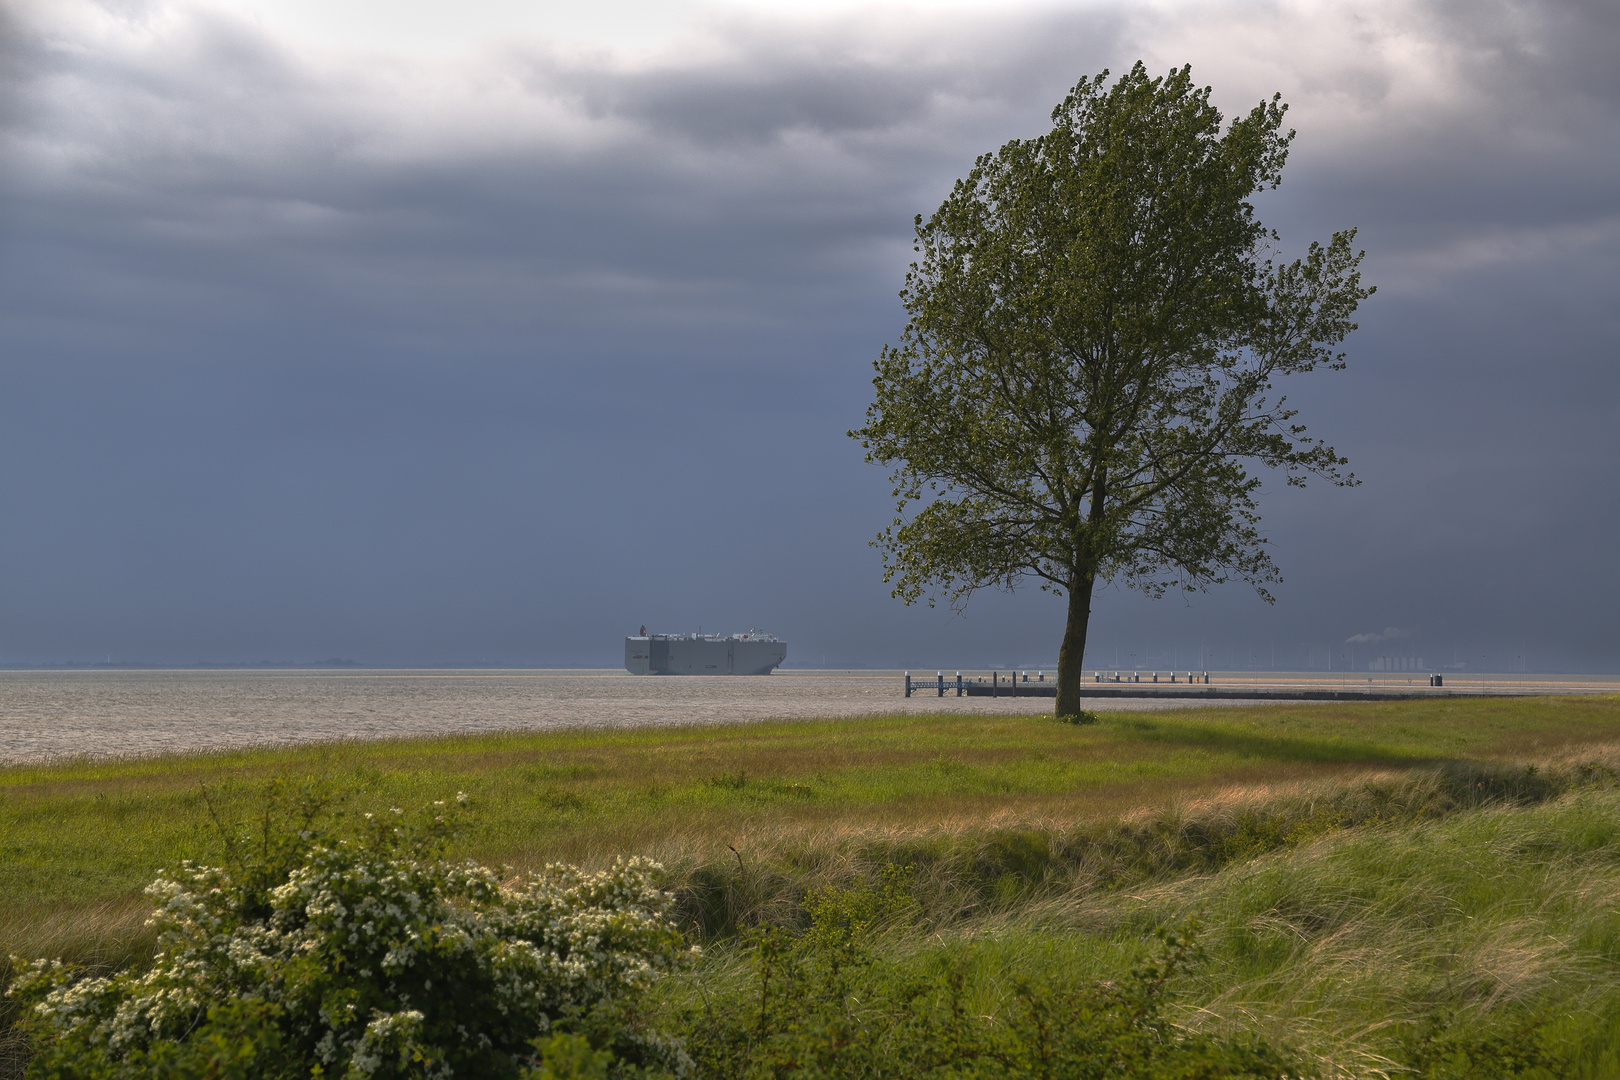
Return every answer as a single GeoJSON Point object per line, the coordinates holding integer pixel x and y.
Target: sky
{"type": "Point", "coordinates": [419, 332]}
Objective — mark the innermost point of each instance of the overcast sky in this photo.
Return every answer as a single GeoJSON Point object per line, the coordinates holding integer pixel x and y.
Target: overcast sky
{"type": "Point", "coordinates": [433, 332]}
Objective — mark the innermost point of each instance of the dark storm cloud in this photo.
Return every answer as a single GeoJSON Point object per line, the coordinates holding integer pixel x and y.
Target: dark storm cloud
{"type": "Point", "coordinates": [763, 84]}
{"type": "Point", "coordinates": [492, 357]}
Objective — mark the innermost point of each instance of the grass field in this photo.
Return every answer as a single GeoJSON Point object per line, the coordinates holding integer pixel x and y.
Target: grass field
{"type": "Point", "coordinates": [1358, 871]}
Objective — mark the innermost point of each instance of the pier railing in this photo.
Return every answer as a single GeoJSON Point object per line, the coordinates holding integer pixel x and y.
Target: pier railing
{"type": "Point", "coordinates": [1171, 684]}
{"type": "Point", "coordinates": [1000, 684]}
{"type": "Point", "coordinates": [1136, 676]}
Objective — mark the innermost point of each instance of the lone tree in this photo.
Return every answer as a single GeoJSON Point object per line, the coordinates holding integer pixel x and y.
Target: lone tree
{"type": "Point", "coordinates": [1087, 374]}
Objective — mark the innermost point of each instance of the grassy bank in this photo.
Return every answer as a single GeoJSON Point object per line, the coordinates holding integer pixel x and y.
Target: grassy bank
{"type": "Point", "coordinates": [1363, 874]}
{"type": "Point", "coordinates": [1474, 939]}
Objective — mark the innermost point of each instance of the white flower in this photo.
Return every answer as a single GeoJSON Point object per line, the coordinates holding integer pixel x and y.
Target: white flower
{"type": "Point", "coordinates": [384, 929]}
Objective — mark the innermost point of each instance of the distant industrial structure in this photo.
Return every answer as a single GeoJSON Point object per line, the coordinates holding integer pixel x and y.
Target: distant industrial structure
{"type": "Point", "coordinates": [752, 653]}
{"type": "Point", "coordinates": [1397, 663]}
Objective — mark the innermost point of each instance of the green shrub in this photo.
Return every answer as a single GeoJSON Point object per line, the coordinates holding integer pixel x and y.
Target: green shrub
{"type": "Point", "coordinates": [368, 955]}
{"type": "Point", "coordinates": [1444, 1050]}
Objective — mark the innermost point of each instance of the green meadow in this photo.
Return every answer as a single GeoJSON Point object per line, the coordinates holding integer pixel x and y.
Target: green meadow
{"type": "Point", "coordinates": [1392, 888]}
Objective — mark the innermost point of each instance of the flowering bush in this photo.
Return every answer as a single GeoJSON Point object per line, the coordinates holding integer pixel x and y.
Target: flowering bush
{"type": "Point", "coordinates": [371, 956]}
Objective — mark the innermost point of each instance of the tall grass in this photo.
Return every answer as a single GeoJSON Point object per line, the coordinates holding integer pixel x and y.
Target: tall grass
{"type": "Point", "coordinates": [1497, 922]}
{"type": "Point", "coordinates": [976, 870]}
{"type": "Point", "coordinates": [1378, 923]}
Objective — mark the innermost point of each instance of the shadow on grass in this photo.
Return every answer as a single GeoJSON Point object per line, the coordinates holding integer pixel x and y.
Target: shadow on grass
{"type": "Point", "coordinates": [1251, 744]}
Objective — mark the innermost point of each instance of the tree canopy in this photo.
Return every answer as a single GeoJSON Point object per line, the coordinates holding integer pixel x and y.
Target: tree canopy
{"type": "Point", "coordinates": [1087, 375]}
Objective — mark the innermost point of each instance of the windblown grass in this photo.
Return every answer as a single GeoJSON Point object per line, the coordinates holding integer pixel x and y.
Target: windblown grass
{"type": "Point", "coordinates": [1366, 920]}
{"type": "Point", "coordinates": [1498, 921]}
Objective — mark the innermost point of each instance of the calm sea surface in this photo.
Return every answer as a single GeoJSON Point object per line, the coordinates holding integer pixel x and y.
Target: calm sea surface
{"type": "Point", "coordinates": [55, 714]}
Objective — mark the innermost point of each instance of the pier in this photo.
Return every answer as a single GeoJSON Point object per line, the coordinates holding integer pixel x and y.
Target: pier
{"type": "Point", "coordinates": [1194, 685]}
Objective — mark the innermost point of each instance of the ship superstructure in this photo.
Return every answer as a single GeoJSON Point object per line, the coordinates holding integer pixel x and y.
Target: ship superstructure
{"type": "Point", "coordinates": [752, 653]}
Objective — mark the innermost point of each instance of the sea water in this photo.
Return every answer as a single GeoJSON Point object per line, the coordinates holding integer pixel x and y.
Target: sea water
{"type": "Point", "coordinates": [46, 715]}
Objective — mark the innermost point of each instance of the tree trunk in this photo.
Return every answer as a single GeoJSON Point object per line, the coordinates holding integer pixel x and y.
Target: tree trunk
{"type": "Point", "coordinates": [1072, 656]}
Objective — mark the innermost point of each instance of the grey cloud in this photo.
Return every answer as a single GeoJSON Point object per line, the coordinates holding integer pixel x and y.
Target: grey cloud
{"type": "Point", "coordinates": [1554, 50]}
{"type": "Point", "coordinates": [757, 99]}
{"type": "Point", "coordinates": [845, 78]}
{"type": "Point", "coordinates": [215, 129]}
{"type": "Point", "coordinates": [1440, 127]}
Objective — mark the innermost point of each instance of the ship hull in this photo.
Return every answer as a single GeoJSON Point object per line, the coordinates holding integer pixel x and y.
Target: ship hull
{"type": "Point", "coordinates": [680, 654]}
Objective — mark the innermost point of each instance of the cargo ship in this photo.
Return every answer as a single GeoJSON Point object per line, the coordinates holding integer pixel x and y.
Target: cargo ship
{"type": "Point", "coordinates": [752, 653]}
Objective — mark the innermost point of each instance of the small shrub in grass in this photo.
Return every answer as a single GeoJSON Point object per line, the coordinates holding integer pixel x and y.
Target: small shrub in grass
{"type": "Point", "coordinates": [1442, 1049]}
{"type": "Point", "coordinates": [368, 955]}
{"type": "Point", "coordinates": [824, 1006]}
